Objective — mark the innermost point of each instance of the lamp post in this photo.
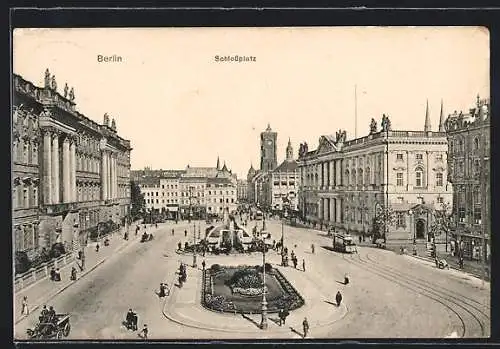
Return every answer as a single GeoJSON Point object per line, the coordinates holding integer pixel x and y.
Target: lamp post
{"type": "Point", "coordinates": [263, 322]}
{"type": "Point", "coordinates": [410, 213]}
{"type": "Point", "coordinates": [283, 238]}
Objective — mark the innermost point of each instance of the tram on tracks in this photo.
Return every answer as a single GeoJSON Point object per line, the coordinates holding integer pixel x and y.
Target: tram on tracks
{"type": "Point", "coordinates": [344, 243]}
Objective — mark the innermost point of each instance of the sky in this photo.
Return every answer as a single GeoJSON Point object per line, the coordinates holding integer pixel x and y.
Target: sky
{"type": "Point", "coordinates": [178, 105]}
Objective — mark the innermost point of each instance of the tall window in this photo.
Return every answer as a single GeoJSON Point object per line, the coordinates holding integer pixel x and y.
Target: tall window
{"type": "Point", "coordinates": [25, 152]}
{"type": "Point", "coordinates": [439, 179]}
{"type": "Point", "coordinates": [360, 177]}
{"type": "Point", "coordinates": [34, 153]}
{"type": "Point", "coordinates": [368, 179]}
{"type": "Point", "coordinates": [419, 177]}
{"type": "Point", "coordinates": [14, 197]}
{"type": "Point", "coordinates": [399, 156]}
{"type": "Point", "coordinates": [418, 156]}
{"type": "Point", "coordinates": [400, 219]}
{"type": "Point", "coordinates": [26, 201]}
{"type": "Point", "coordinates": [347, 177]}
{"type": "Point", "coordinates": [399, 179]}
{"type": "Point", "coordinates": [35, 197]}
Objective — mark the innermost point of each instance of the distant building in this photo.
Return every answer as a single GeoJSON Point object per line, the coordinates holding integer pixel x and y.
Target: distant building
{"type": "Point", "coordinates": [469, 172]}
{"type": "Point", "coordinates": [268, 160]}
{"type": "Point", "coordinates": [346, 184]}
{"type": "Point", "coordinates": [280, 186]}
{"type": "Point", "coordinates": [242, 188]}
{"type": "Point", "coordinates": [188, 193]}
{"type": "Point", "coordinates": [69, 173]}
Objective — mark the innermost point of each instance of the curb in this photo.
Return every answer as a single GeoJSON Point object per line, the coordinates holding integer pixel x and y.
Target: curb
{"type": "Point", "coordinates": [478, 276]}
{"type": "Point", "coordinates": [66, 286]}
{"type": "Point", "coordinates": [225, 330]}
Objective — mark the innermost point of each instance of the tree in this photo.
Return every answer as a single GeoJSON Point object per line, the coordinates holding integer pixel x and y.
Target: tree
{"type": "Point", "coordinates": [136, 199]}
{"type": "Point", "coordinates": [384, 216]}
{"type": "Point", "coordinates": [442, 220]}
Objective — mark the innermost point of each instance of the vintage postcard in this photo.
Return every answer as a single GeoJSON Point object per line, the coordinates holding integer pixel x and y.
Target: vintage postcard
{"type": "Point", "coordinates": [251, 183]}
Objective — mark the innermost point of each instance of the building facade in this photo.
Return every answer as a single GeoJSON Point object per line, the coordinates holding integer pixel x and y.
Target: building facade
{"type": "Point", "coordinates": [69, 173]}
{"type": "Point", "coordinates": [192, 192]}
{"type": "Point", "coordinates": [469, 173]}
{"type": "Point", "coordinates": [280, 186]}
{"type": "Point", "coordinates": [242, 190]}
{"type": "Point", "coordinates": [347, 184]}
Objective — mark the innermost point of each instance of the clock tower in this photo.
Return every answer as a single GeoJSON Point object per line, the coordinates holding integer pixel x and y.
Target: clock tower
{"type": "Point", "coordinates": [268, 161]}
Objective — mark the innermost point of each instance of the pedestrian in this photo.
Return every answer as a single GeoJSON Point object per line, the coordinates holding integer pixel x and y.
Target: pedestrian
{"type": "Point", "coordinates": [285, 315]}
{"type": "Point", "coordinates": [162, 294]}
{"type": "Point", "coordinates": [172, 232]}
{"type": "Point", "coordinates": [338, 298]}
{"type": "Point", "coordinates": [144, 332]}
{"type": "Point", "coordinates": [346, 279]}
{"type": "Point", "coordinates": [312, 248]}
{"type": "Point", "coordinates": [97, 247]}
{"type": "Point", "coordinates": [57, 275]}
{"type": "Point", "coordinates": [52, 273]}
{"type": "Point", "coordinates": [185, 233]}
{"type": "Point", "coordinates": [179, 246]}
{"type": "Point", "coordinates": [280, 316]}
{"type": "Point", "coordinates": [73, 274]}
{"type": "Point", "coordinates": [25, 310]}
{"type": "Point", "coordinates": [83, 261]}
{"type": "Point", "coordinates": [44, 313]}
{"type": "Point", "coordinates": [305, 326]}
{"type": "Point", "coordinates": [294, 260]}
{"type": "Point", "coordinates": [203, 264]}
{"type": "Point", "coordinates": [303, 265]}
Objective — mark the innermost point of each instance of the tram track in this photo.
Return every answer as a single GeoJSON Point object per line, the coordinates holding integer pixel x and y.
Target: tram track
{"type": "Point", "coordinates": [469, 315]}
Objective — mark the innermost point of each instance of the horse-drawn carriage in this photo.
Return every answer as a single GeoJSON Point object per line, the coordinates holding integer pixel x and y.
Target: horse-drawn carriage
{"type": "Point", "coordinates": [58, 328]}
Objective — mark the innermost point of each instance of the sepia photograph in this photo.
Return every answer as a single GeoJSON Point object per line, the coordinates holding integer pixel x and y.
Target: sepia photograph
{"type": "Point", "coordinates": [284, 183]}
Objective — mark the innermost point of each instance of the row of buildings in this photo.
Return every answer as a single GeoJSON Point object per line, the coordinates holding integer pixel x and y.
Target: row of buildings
{"type": "Point", "coordinates": [69, 173]}
{"type": "Point", "coordinates": [193, 192]}
{"type": "Point", "coordinates": [408, 176]}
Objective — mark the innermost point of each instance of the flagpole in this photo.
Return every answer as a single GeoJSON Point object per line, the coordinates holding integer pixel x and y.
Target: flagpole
{"type": "Point", "coordinates": [355, 111]}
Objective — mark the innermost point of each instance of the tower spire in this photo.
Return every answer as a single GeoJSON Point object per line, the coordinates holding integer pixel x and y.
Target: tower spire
{"type": "Point", "coordinates": [218, 163]}
{"type": "Point", "coordinates": [427, 126]}
{"type": "Point", "coordinates": [441, 118]}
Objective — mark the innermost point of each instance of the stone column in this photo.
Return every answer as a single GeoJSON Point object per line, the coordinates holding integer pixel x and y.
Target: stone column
{"type": "Point", "coordinates": [66, 171]}
{"type": "Point", "coordinates": [104, 176]}
{"type": "Point", "coordinates": [55, 168]}
{"type": "Point", "coordinates": [115, 178]}
{"type": "Point", "coordinates": [332, 210]}
{"type": "Point", "coordinates": [72, 161]}
{"type": "Point", "coordinates": [339, 210]}
{"type": "Point", "coordinates": [47, 164]}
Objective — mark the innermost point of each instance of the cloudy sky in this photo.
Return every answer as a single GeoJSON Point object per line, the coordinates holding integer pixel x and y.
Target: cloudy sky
{"type": "Point", "coordinates": [179, 106]}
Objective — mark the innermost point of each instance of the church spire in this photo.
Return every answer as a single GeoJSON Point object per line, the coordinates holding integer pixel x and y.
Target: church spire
{"type": "Point", "coordinates": [268, 129]}
{"type": "Point", "coordinates": [427, 126]}
{"type": "Point", "coordinates": [289, 150]}
{"type": "Point", "coordinates": [441, 118]}
{"type": "Point", "coordinates": [218, 163]}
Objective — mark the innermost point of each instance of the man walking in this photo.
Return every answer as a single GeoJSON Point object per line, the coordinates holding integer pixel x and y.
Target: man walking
{"type": "Point", "coordinates": [305, 327]}
{"type": "Point", "coordinates": [144, 332]}
{"type": "Point", "coordinates": [203, 264]}
{"type": "Point", "coordinates": [304, 265]}
{"type": "Point", "coordinates": [338, 298]}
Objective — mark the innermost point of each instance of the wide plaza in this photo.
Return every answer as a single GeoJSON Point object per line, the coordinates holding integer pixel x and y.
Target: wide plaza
{"type": "Point", "coordinates": [389, 296]}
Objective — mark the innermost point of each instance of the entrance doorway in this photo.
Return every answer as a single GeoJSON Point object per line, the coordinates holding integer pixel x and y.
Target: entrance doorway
{"type": "Point", "coordinates": [420, 229]}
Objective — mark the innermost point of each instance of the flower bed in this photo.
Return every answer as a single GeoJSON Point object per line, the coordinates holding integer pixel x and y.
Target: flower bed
{"type": "Point", "coordinates": [239, 289]}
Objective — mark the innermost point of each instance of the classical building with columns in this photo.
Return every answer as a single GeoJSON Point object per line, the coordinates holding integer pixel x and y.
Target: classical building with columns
{"type": "Point", "coordinates": [69, 173]}
{"type": "Point", "coordinates": [345, 184]}
{"type": "Point", "coordinates": [469, 172]}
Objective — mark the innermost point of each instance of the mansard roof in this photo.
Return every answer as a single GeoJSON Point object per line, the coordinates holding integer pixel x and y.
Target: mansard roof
{"type": "Point", "coordinates": [287, 166]}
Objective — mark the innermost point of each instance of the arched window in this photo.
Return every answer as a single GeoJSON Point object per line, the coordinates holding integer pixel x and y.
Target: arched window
{"type": "Point", "coordinates": [368, 179]}
{"type": "Point", "coordinates": [476, 143]}
{"type": "Point", "coordinates": [347, 177]}
{"type": "Point", "coordinates": [461, 145]}
{"type": "Point", "coordinates": [451, 146]}
{"type": "Point", "coordinates": [25, 158]}
{"type": "Point", "coordinates": [353, 177]}
{"type": "Point", "coordinates": [34, 153]}
{"type": "Point", "coordinates": [419, 177]}
{"type": "Point", "coordinates": [360, 176]}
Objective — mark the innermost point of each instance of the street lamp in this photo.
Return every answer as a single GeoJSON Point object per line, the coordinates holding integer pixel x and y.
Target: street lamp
{"type": "Point", "coordinates": [263, 322]}
{"type": "Point", "coordinates": [283, 240]}
{"type": "Point", "coordinates": [410, 213]}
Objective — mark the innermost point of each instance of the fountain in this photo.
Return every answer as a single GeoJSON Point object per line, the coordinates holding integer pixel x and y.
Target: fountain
{"type": "Point", "coordinates": [228, 235]}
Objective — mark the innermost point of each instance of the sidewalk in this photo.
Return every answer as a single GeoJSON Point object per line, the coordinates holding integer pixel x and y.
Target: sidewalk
{"type": "Point", "coordinates": [45, 289]}
{"type": "Point", "coordinates": [473, 268]}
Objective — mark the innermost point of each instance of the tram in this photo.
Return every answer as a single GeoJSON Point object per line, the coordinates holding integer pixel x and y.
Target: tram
{"type": "Point", "coordinates": [343, 243]}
